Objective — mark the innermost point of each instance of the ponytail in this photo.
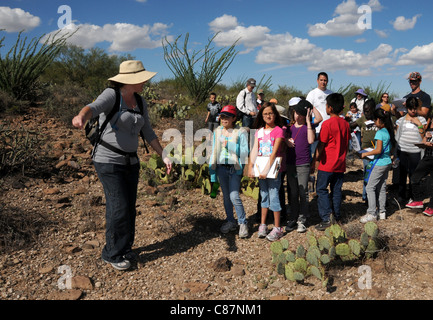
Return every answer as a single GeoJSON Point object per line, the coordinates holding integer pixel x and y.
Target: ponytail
{"type": "Point", "coordinates": [385, 117]}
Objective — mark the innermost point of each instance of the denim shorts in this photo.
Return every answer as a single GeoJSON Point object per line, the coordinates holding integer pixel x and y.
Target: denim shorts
{"type": "Point", "coordinates": [269, 192]}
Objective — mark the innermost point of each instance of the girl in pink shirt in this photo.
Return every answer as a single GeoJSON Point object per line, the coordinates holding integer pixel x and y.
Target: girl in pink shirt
{"type": "Point", "coordinates": [268, 143]}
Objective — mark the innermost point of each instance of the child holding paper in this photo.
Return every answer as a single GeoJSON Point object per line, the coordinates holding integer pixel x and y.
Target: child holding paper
{"type": "Point", "coordinates": [268, 143]}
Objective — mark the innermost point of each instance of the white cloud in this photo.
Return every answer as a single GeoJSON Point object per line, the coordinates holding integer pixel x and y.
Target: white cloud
{"type": "Point", "coordinates": [287, 50]}
{"type": "Point", "coordinates": [403, 24]}
{"type": "Point", "coordinates": [345, 21]}
{"type": "Point", "coordinates": [381, 33]}
{"type": "Point", "coordinates": [418, 55]}
{"type": "Point", "coordinates": [123, 37]}
{"type": "Point", "coordinates": [224, 23]}
{"type": "Point", "coordinates": [355, 64]}
{"type": "Point", "coordinates": [15, 20]}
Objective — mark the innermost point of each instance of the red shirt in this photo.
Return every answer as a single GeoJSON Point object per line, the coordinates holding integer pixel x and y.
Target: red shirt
{"type": "Point", "coordinates": [335, 135]}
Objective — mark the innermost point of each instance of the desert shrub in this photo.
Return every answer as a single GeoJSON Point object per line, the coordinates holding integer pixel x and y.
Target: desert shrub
{"type": "Point", "coordinates": [25, 62]}
{"type": "Point", "coordinates": [65, 101]}
{"type": "Point", "coordinates": [199, 71]}
{"type": "Point", "coordinates": [19, 149]}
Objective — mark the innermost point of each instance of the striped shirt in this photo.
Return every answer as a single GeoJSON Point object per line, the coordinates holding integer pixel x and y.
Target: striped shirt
{"type": "Point", "coordinates": [408, 135]}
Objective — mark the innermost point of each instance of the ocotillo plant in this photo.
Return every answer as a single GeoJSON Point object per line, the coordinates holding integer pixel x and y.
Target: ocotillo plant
{"type": "Point", "coordinates": [21, 67]}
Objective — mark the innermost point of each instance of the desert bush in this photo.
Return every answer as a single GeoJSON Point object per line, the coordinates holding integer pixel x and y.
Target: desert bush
{"type": "Point", "coordinates": [19, 149]}
{"type": "Point", "coordinates": [24, 63]}
{"type": "Point", "coordinates": [198, 80]}
{"type": "Point", "coordinates": [65, 101]}
{"type": "Point", "coordinates": [88, 69]}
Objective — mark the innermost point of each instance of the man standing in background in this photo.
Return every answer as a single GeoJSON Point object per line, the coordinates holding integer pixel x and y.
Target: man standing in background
{"type": "Point", "coordinates": [246, 103]}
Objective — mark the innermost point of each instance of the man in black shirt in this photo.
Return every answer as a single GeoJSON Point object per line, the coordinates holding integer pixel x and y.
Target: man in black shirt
{"type": "Point", "coordinates": [415, 80]}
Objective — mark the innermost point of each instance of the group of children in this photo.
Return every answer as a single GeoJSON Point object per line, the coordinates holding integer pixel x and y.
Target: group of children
{"type": "Point", "coordinates": [275, 137]}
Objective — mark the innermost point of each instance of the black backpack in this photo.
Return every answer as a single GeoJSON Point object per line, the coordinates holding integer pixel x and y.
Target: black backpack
{"type": "Point", "coordinates": [94, 131]}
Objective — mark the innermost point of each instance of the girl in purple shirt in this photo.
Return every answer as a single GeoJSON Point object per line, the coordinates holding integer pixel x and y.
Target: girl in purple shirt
{"type": "Point", "coordinates": [298, 165]}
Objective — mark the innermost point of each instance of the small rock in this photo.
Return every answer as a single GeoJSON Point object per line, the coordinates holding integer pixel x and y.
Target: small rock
{"type": "Point", "coordinates": [51, 191]}
{"type": "Point", "coordinates": [81, 282]}
{"type": "Point", "coordinates": [46, 269]}
{"type": "Point", "coordinates": [80, 191]}
{"type": "Point", "coordinates": [221, 265]}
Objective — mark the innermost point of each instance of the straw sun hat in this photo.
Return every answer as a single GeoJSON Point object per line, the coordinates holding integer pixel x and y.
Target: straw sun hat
{"type": "Point", "coordinates": [132, 72]}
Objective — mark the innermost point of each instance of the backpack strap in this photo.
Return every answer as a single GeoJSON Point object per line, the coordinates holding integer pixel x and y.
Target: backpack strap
{"type": "Point", "coordinates": [107, 119]}
{"type": "Point", "coordinates": [140, 105]}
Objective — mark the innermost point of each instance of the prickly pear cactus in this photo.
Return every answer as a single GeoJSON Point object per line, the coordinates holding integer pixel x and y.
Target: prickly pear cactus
{"type": "Point", "coordinates": [371, 229]}
{"type": "Point", "coordinates": [300, 251]}
{"type": "Point", "coordinates": [355, 247]}
{"type": "Point", "coordinates": [277, 247]}
{"type": "Point", "coordinates": [342, 249]}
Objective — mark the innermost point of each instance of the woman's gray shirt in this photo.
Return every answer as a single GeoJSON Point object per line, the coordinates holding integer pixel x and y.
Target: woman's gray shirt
{"type": "Point", "coordinates": [122, 131]}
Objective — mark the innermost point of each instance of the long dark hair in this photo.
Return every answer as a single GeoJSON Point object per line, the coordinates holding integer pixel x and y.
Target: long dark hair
{"type": "Point", "coordinates": [260, 122]}
{"type": "Point", "coordinates": [385, 117]}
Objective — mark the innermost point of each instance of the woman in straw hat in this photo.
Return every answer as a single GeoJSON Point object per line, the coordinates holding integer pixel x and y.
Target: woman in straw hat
{"type": "Point", "coordinates": [115, 157]}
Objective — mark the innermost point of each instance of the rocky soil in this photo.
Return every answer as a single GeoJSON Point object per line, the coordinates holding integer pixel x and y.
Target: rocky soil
{"type": "Point", "coordinates": [53, 233]}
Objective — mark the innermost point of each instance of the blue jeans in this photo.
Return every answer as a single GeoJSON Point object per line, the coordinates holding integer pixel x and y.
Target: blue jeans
{"type": "Point", "coordinates": [247, 121]}
{"type": "Point", "coordinates": [230, 183]}
{"type": "Point", "coordinates": [120, 188]}
{"type": "Point", "coordinates": [335, 181]}
{"type": "Point", "coordinates": [270, 193]}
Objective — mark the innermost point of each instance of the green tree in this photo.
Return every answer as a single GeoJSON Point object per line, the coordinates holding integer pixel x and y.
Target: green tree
{"type": "Point", "coordinates": [87, 69]}
{"type": "Point", "coordinates": [199, 80]}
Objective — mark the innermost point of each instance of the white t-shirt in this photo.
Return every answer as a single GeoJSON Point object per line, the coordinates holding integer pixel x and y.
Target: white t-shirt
{"type": "Point", "coordinates": [317, 98]}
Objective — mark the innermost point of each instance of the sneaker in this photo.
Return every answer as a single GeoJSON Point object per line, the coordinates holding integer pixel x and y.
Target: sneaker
{"type": "Point", "coordinates": [228, 226]}
{"type": "Point", "coordinates": [323, 225]}
{"type": "Point", "coordinates": [428, 212]}
{"type": "Point", "coordinates": [368, 217]}
{"type": "Point", "coordinates": [121, 266]}
{"type": "Point", "coordinates": [291, 225]}
{"type": "Point", "coordinates": [275, 234]}
{"type": "Point", "coordinates": [301, 227]}
{"type": "Point", "coordinates": [382, 216]}
{"type": "Point", "coordinates": [263, 231]}
{"type": "Point", "coordinates": [415, 204]}
{"type": "Point", "coordinates": [243, 231]}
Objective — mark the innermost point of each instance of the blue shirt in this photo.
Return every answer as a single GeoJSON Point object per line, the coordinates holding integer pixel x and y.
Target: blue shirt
{"type": "Point", "coordinates": [385, 157]}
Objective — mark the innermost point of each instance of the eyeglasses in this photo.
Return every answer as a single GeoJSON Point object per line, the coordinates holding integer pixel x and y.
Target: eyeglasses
{"type": "Point", "coordinates": [268, 114]}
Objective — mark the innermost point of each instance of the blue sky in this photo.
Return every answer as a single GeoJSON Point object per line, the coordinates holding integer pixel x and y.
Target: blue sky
{"type": "Point", "coordinates": [289, 40]}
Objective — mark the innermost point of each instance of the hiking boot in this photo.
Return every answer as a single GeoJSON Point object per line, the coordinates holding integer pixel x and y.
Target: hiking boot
{"type": "Point", "coordinates": [275, 234]}
{"type": "Point", "coordinates": [243, 231]}
{"type": "Point", "coordinates": [228, 226]}
{"type": "Point", "coordinates": [428, 212]}
{"type": "Point", "coordinates": [301, 227]}
{"type": "Point", "coordinates": [121, 266]}
{"type": "Point", "coordinates": [415, 204]}
{"type": "Point", "coordinates": [291, 225]}
{"type": "Point", "coordinates": [263, 231]}
{"type": "Point", "coordinates": [368, 217]}
{"type": "Point", "coordinates": [323, 225]}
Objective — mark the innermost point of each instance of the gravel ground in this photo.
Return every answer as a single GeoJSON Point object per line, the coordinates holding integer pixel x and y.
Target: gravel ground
{"type": "Point", "coordinates": [58, 227]}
